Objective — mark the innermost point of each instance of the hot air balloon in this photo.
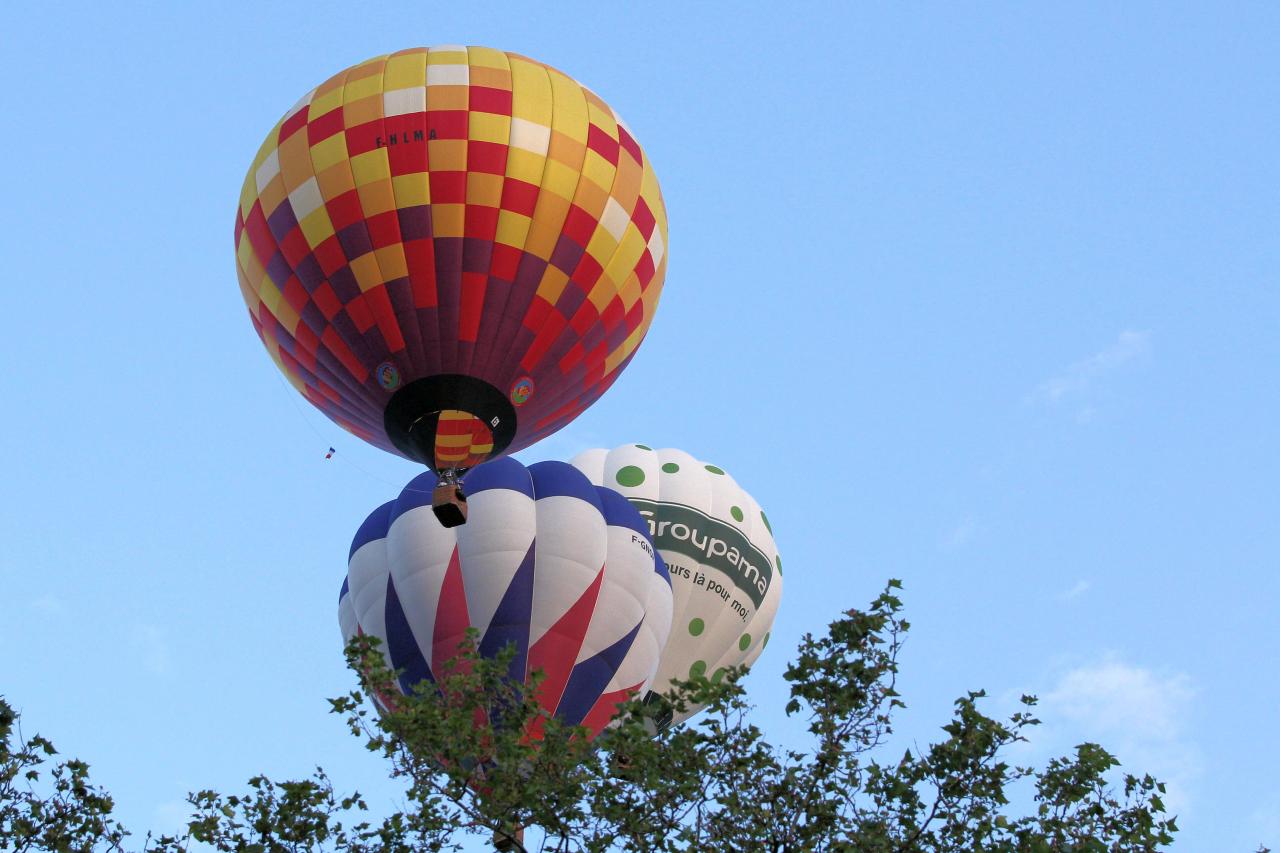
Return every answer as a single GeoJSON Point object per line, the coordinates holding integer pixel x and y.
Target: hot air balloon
{"type": "Point", "coordinates": [451, 252]}
{"type": "Point", "coordinates": [726, 575]}
{"type": "Point", "coordinates": [560, 568]}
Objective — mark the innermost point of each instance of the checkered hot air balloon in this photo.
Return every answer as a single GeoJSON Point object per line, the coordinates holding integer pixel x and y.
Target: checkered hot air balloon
{"type": "Point", "coordinates": [451, 251]}
{"type": "Point", "coordinates": [726, 575]}
{"type": "Point", "coordinates": [561, 569]}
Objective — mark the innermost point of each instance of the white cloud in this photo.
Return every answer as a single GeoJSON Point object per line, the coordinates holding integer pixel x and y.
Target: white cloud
{"type": "Point", "coordinates": [153, 650]}
{"type": "Point", "coordinates": [1137, 714]}
{"type": "Point", "coordinates": [1079, 381]}
{"type": "Point", "coordinates": [1119, 699]}
{"type": "Point", "coordinates": [959, 535]}
{"type": "Point", "coordinates": [1081, 587]}
{"type": "Point", "coordinates": [171, 817]}
{"type": "Point", "coordinates": [49, 605]}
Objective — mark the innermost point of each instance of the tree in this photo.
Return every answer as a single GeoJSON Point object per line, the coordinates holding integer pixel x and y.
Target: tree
{"type": "Point", "coordinates": [464, 751]}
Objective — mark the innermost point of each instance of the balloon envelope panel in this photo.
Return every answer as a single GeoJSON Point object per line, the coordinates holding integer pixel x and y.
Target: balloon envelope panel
{"type": "Point", "coordinates": [452, 212]}
{"type": "Point", "coordinates": [558, 568]}
{"type": "Point", "coordinates": [726, 574]}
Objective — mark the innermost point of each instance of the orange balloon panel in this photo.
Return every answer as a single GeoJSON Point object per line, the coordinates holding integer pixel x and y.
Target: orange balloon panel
{"type": "Point", "coordinates": [451, 251]}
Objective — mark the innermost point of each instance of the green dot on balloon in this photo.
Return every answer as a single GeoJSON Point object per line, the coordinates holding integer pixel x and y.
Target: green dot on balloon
{"type": "Point", "coordinates": [644, 447]}
{"type": "Point", "coordinates": [778, 560]}
{"type": "Point", "coordinates": [736, 512]}
{"type": "Point", "coordinates": [719, 674]}
{"type": "Point", "coordinates": [698, 669]}
{"type": "Point", "coordinates": [744, 641]}
{"type": "Point", "coordinates": [713, 469]}
{"type": "Point", "coordinates": [629, 475]}
{"type": "Point", "coordinates": [670, 467]}
{"type": "Point", "coordinates": [765, 641]}
{"type": "Point", "coordinates": [696, 626]}
{"type": "Point", "coordinates": [765, 519]}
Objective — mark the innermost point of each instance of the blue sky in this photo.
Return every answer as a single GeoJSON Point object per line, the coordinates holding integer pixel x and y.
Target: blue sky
{"type": "Point", "coordinates": [982, 297]}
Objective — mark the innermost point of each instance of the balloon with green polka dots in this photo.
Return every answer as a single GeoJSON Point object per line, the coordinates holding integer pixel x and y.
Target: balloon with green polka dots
{"type": "Point", "coordinates": [726, 575]}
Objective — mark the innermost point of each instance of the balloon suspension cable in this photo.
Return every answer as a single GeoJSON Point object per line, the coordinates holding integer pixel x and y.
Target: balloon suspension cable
{"type": "Point", "coordinates": [447, 500]}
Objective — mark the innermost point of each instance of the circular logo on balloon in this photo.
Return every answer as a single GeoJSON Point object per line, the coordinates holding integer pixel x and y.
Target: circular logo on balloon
{"type": "Point", "coordinates": [388, 376]}
{"type": "Point", "coordinates": [521, 390]}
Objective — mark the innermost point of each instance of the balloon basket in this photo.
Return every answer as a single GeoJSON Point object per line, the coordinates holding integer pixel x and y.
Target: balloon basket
{"type": "Point", "coordinates": [501, 842]}
{"type": "Point", "coordinates": [449, 505]}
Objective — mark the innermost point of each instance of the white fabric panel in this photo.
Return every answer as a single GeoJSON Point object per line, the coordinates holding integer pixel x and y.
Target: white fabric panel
{"type": "Point", "coordinates": [530, 136]}
{"type": "Point", "coordinates": [347, 622]}
{"type": "Point", "coordinates": [689, 486]}
{"type": "Point", "coordinates": [656, 246]}
{"type": "Point", "coordinates": [759, 627]}
{"type": "Point", "coordinates": [615, 218]}
{"type": "Point", "coordinates": [591, 463]}
{"type": "Point", "coordinates": [729, 625]}
{"type": "Point", "coordinates": [753, 653]}
{"type": "Point", "coordinates": [725, 495]}
{"type": "Point", "coordinates": [760, 534]}
{"type": "Point", "coordinates": [762, 622]}
{"type": "Point", "coordinates": [632, 456]}
{"type": "Point", "coordinates": [400, 102]}
{"type": "Point", "coordinates": [448, 75]}
{"type": "Point", "coordinates": [658, 626]}
{"type": "Point", "coordinates": [620, 606]}
{"type": "Point", "coordinates": [418, 552]}
{"type": "Point", "coordinates": [569, 553]}
{"type": "Point", "coordinates": [491, 547]}
{"type": "Point", "coordinates": [306, 198]}
{"type": "Point", "coordinates": [724, 625]}
{"type": "Point", "coordinates": [640, 666]}
{"type": "Point", "coordinates": [367, 590]}
{"type": "Point", "coordinates": [269, 169]}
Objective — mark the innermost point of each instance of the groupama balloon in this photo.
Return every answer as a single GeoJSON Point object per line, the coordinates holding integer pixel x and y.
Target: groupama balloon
{"type": "Point", "coordinates": [560, 568]}
{"type": "Point", "coordinates": [726, 575]}
{"type": "Point", "coordinates": [451, 251]}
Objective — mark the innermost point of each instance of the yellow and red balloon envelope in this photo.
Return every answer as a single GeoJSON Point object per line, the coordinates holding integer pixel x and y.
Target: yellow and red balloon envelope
{"type": "Point", "coordinates": [451, 251]}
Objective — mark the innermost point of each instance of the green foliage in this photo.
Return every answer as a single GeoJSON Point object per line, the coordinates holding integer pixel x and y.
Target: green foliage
{"type": "Point", "coordinates": [73, 815]}
{"type": "Point", "coordinates": [477, 753]}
